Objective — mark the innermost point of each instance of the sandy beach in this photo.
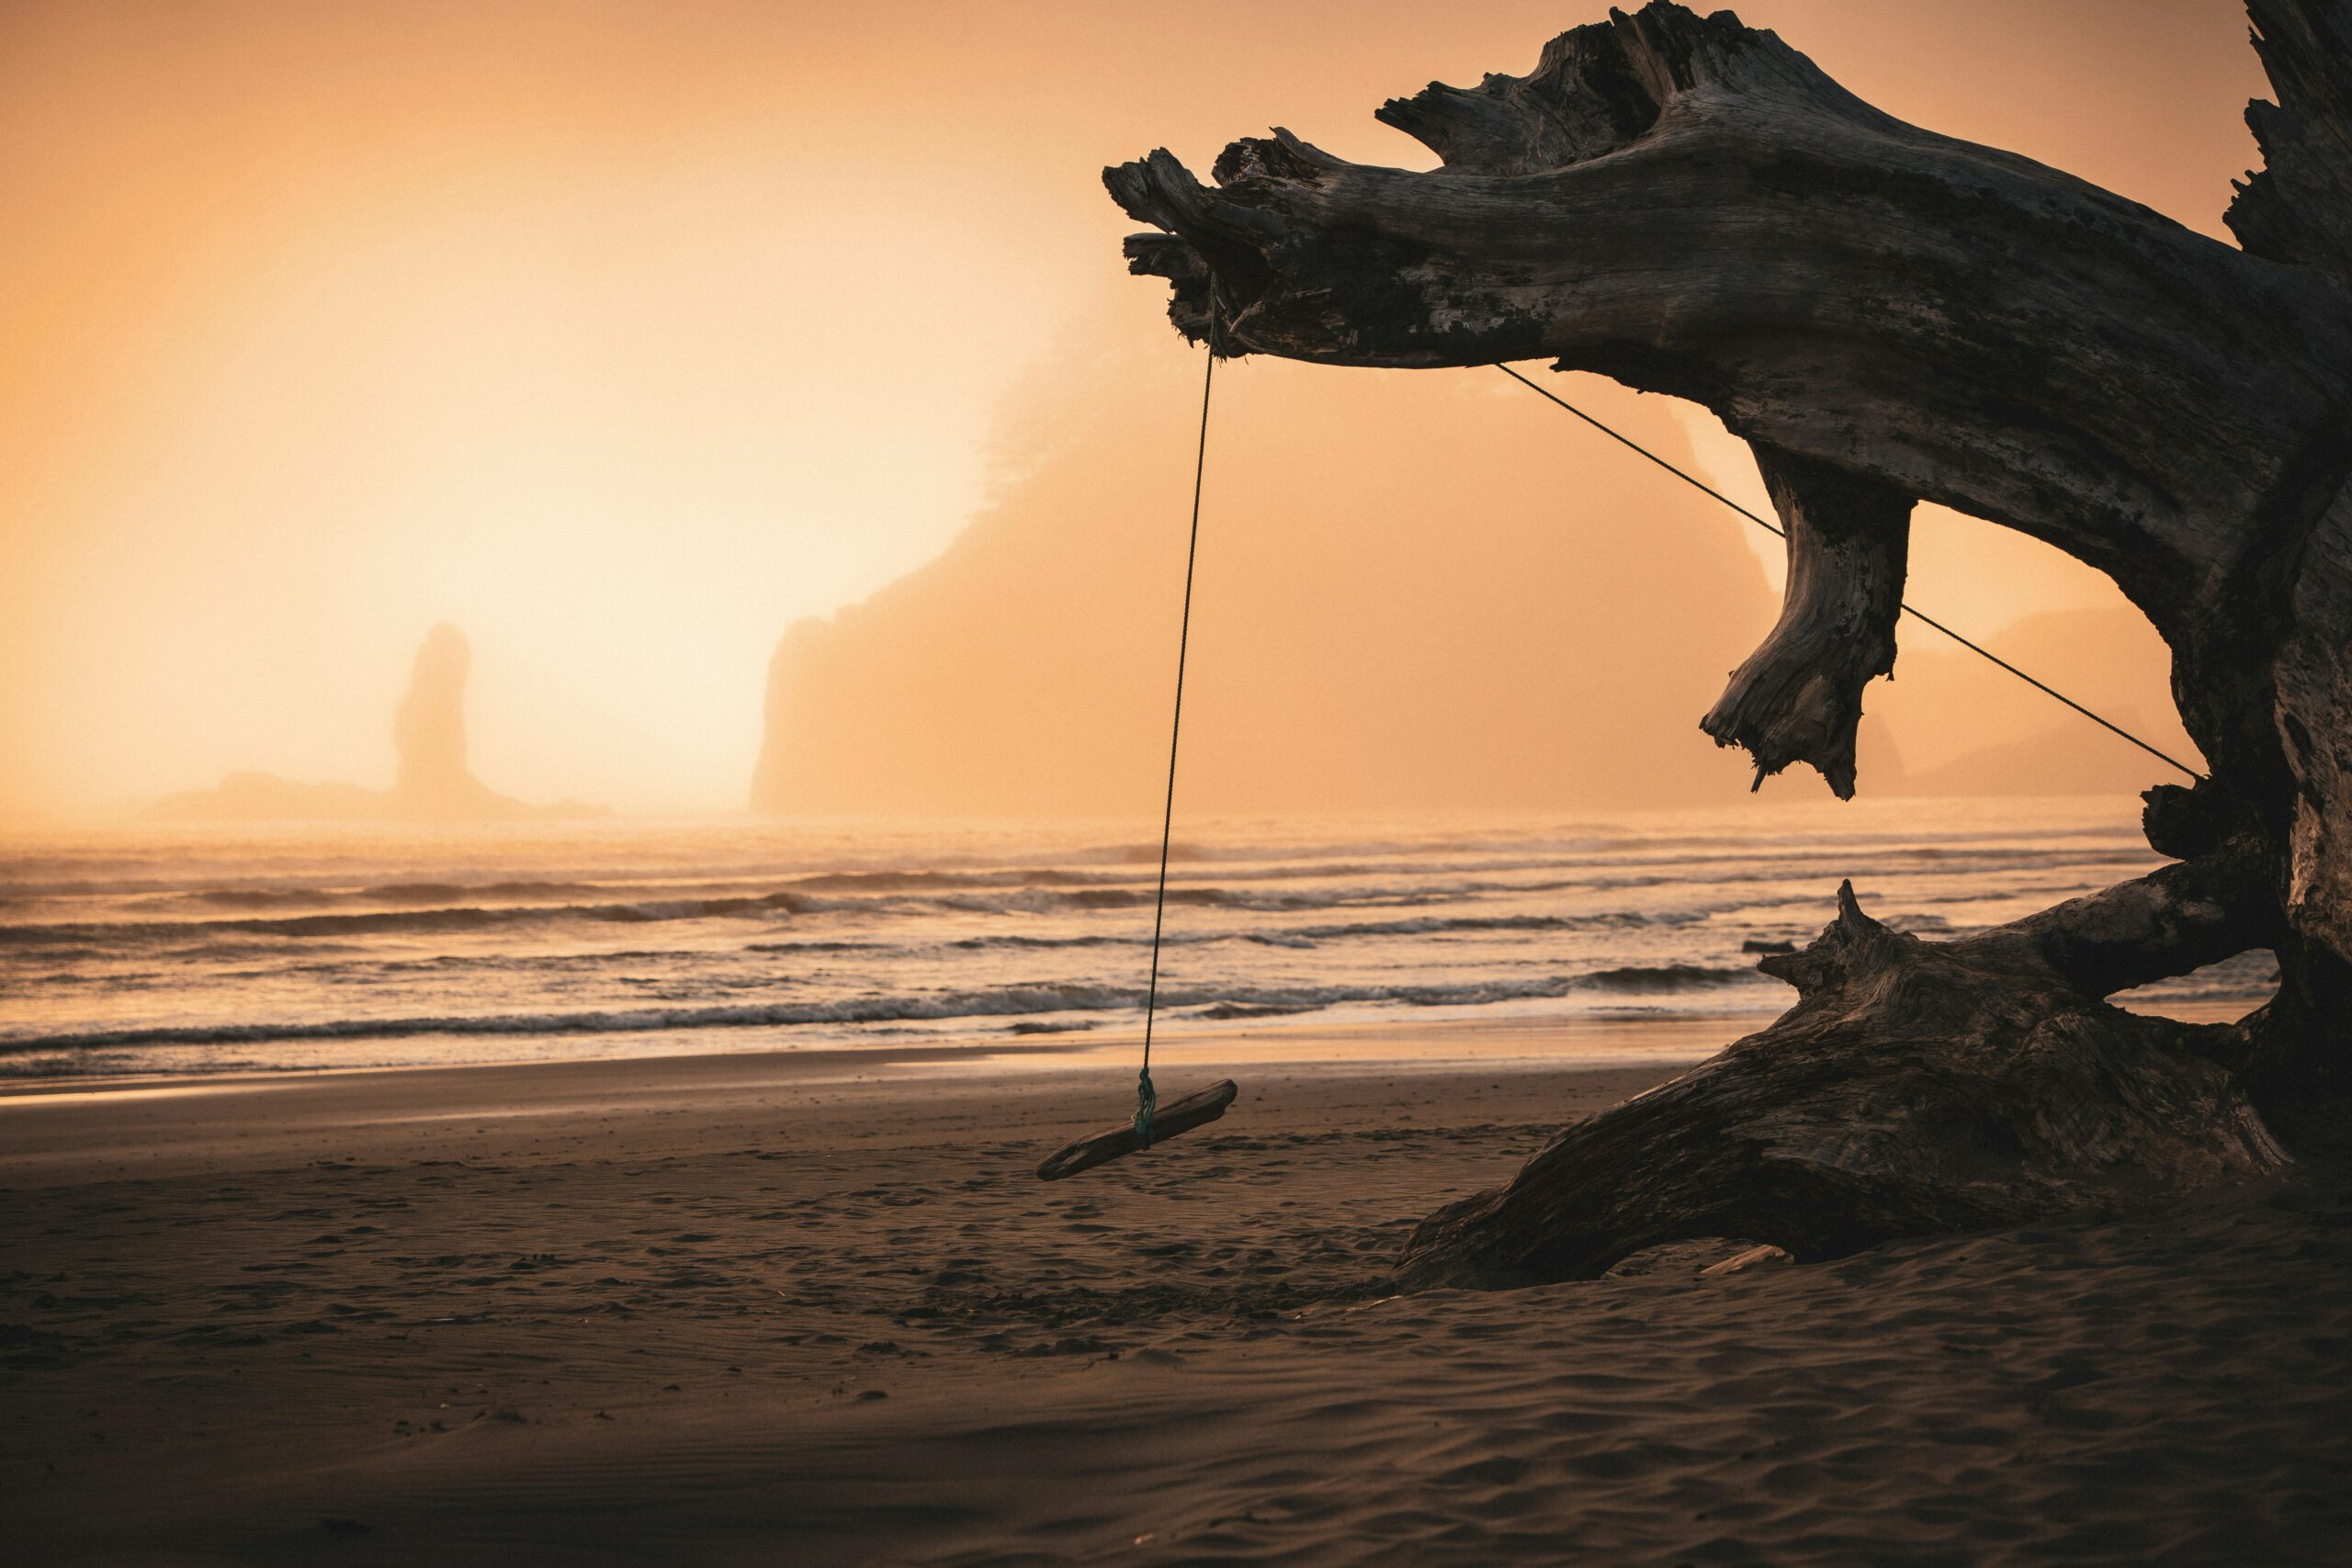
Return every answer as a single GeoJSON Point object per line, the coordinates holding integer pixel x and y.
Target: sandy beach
{"type": "Point", "coordinates": [814, 1307]}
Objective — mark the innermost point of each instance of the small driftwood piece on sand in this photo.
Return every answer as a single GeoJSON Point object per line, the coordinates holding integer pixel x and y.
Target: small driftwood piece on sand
{"type": "Point", "coordinates": [1194, 1110]}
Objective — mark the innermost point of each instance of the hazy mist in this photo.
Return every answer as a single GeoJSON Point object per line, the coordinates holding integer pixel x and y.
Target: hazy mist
{"type": "Point", "coordinates": [624, 335]}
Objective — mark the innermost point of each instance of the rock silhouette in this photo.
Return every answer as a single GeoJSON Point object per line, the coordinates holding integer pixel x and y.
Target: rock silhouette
{"type": "Point", "coordinates": [1532, 624]}
{"type": "Point", "coordinates": [1535, 623]}
{"type": "Point", "coordinates": [433, 784]}
{"type": "Point", "coordinates": [429, 727]}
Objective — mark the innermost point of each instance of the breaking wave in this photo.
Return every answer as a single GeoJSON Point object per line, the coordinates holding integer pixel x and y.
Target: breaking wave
{"type": "Point", "coordinates": [1221, 1003]}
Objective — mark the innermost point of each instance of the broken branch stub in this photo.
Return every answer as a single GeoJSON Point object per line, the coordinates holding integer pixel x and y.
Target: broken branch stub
{"type": "Point", "coordinates": [1799, 696]}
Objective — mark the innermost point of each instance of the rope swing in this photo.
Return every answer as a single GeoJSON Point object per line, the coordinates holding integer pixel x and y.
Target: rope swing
{"type": "Point", "coordinates": [1146, 1101]}
{"type": "Point", "coordinates": [1179, 1116]}
{"type": "Point", "coordinates": [1154, 1122]}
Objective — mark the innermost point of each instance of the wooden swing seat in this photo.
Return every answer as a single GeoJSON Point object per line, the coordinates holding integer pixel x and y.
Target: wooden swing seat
{"type": "Point", "coordinates": [1195, 1110]}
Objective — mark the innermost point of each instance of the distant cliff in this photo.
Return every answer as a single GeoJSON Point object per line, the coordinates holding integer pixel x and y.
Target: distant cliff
{"type": "Point", "coordinates": [1413, 592]}
{"type": "Point", "coordinates": [433, 784]}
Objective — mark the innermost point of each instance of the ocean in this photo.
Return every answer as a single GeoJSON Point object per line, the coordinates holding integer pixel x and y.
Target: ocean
{"type": "Point", "coordinates": [178, 951]}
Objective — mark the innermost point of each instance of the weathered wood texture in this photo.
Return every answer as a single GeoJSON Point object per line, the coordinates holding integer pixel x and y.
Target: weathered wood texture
{"type": "Point", "coordinates": [1888, 316]}
{"type": "Point", "coordinates": [2297, 208]}
{"type": "Point", "coordinates": [1798, 698]}
{"type": "Point", "coordinates": [1194, 1110]}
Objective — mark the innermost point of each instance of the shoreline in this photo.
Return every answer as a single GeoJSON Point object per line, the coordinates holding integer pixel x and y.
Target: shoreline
{"type": "Point", "coordinates": [50, 1127]}
{"type": "Point", "coordinates": [523, 1045]}
{"type": "Point", "coordinates": [1602, 1041]}
{"type": "Point", "coordinates": [1573, 1036]}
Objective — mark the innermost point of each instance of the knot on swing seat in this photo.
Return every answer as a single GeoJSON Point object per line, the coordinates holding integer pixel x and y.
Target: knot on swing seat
{"type": "Point", "coordinates": [1197, 1108]}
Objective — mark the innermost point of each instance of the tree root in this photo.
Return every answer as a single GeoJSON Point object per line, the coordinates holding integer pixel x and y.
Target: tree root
{"type": "Point", "coordinates": [1916, 1088]}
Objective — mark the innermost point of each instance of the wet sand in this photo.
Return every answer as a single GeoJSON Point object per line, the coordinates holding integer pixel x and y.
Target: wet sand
{"type": "Point", "coordinates": [809, 1307]}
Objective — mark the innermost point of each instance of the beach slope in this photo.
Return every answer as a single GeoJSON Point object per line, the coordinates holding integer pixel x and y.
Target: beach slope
{"type": "Point", "coordinates": [814, 1307]}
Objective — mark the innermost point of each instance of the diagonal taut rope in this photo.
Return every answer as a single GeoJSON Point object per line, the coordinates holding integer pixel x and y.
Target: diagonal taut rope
{"type": "Point", "coordinates": [1917, 614]}
{"type": "Point", "coordinates": [1146, 1100]}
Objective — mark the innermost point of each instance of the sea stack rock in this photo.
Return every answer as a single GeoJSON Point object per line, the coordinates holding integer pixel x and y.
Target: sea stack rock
{"type": "Point", "coordinates": [433, 784]}
{"type": "Point", "coordinates": [429, 727]}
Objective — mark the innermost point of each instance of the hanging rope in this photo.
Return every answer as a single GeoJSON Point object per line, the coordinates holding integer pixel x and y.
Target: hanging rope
{"type": "Point", "coordinates": [1917, 614]}
{"type": "Point", "coordinates": [1146, 1099]}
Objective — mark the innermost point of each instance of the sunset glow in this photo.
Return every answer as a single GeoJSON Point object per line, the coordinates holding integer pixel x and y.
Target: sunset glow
{"type": "Point", "coordinates": [626, 335]}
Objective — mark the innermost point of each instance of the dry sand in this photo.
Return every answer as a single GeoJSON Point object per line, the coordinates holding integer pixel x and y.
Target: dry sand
{"type": "Point", "coordinates": [803, 1308]}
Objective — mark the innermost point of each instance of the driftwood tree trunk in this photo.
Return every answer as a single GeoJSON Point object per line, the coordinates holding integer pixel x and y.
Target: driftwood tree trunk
{"type": "Point", "coordinates": [1888, 316]}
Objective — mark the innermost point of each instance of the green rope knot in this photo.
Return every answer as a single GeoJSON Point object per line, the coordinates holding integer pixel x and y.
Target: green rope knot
{"type": "Point", "coordinates": [1146, 1101]}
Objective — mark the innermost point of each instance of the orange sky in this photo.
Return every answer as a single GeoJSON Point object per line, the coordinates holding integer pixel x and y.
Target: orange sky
{"type": "Point", "coordinates": [625, 333]}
